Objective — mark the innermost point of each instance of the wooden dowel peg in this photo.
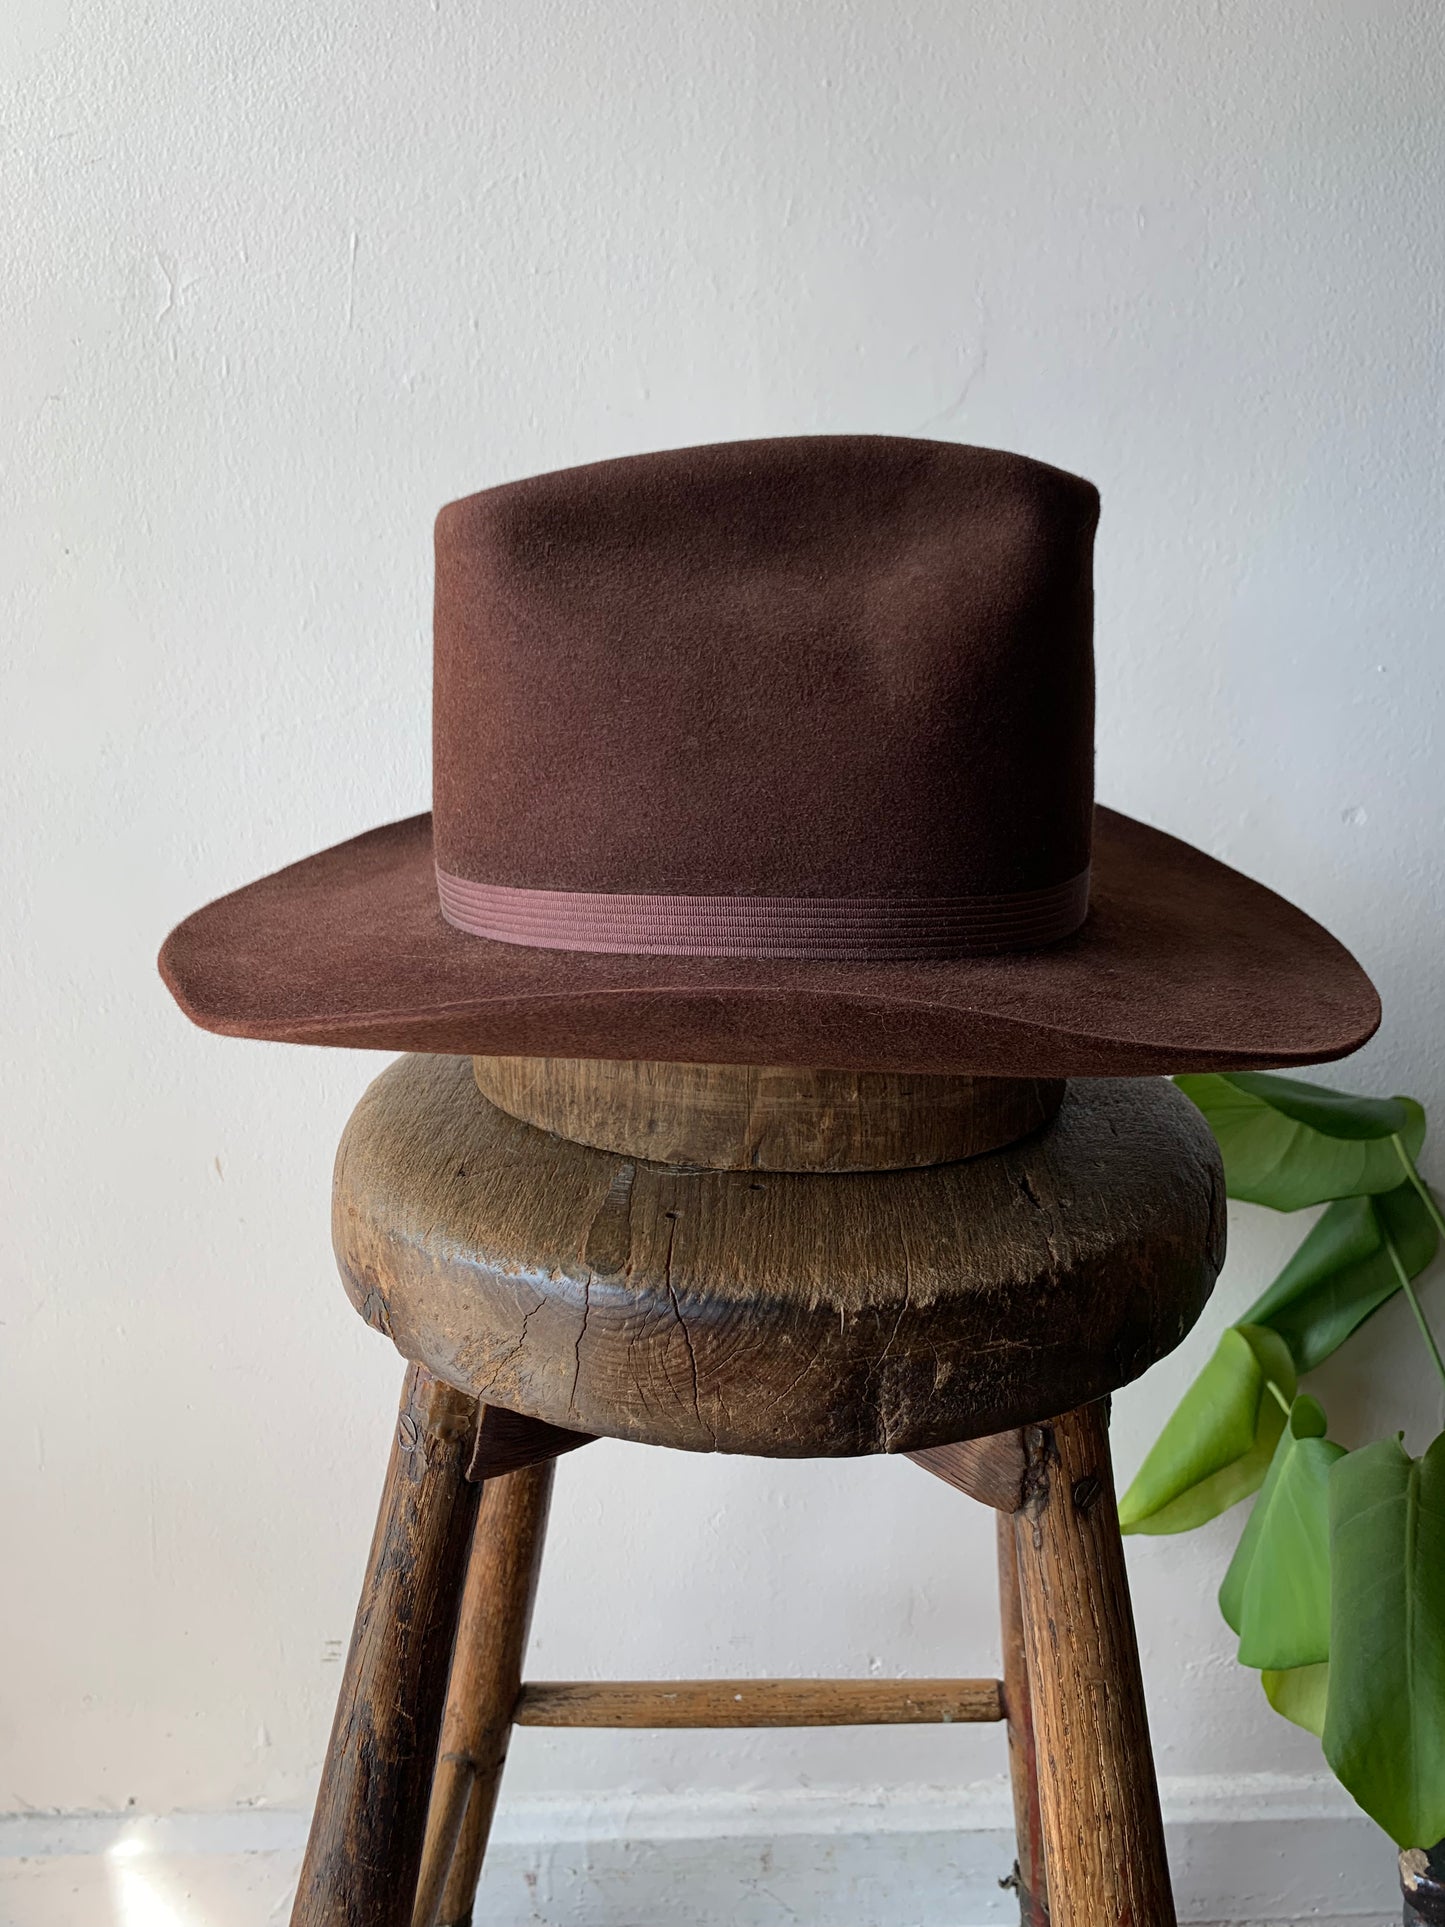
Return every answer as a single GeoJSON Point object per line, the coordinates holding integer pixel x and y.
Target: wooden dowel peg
{"type": "Point", "coordinates": [758, 1702]}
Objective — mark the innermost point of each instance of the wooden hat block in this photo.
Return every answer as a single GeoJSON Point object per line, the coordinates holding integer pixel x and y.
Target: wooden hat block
{"type": "Point", "coordinates": [743, 1117]}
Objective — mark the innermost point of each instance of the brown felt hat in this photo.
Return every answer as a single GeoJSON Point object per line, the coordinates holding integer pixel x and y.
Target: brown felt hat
{"type": "Point", "coordinates": [774, 752]}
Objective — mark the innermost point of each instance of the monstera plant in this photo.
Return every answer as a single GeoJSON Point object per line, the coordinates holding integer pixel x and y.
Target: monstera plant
{"type": "Point", "coordinates": [1336, 1590]}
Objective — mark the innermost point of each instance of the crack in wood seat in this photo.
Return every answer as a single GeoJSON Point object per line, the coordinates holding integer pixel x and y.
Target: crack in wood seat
{"type": "Point", "coordinates": [772, 1313]}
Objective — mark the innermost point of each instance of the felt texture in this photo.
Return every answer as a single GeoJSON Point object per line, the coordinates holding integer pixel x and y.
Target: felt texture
{"type": "Point", "coordinates": [829, 666]}
{"type": "Point", "coordinates": [1182, 964]}
{"type": "Point", "coordinates": [832, 666]}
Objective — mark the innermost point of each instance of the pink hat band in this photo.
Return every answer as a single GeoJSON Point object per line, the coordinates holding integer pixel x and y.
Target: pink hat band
{"type": "Point", "coordinates": [851, 929]}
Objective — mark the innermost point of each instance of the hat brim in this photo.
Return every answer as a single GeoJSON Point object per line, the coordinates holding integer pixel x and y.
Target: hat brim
{"type": "Point", "coordinates": [1182, 964]}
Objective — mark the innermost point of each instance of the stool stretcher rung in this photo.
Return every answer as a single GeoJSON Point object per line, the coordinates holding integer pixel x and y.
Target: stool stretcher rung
{"type": "Point", "coordinates": [758, 1702]}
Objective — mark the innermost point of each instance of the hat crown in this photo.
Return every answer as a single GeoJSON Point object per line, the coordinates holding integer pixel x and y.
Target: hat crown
{"type": "Point", "coordinates": [825, 667]}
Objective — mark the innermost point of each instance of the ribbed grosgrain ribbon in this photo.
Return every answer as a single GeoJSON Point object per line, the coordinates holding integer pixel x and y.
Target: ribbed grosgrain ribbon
{"type": "Point", "coordinates": [852, 929]}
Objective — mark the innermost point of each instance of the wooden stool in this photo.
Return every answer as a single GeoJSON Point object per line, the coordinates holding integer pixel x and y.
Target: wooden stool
{"type": "Point", "coordinates": [692, 1256]}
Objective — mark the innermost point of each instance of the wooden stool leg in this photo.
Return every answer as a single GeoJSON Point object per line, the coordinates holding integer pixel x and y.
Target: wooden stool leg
{"type": "Point", "coordinates": [1103, 1834]}
{"type": "Point", "coordinates": [501, 1585]}
{"type": "Point", "coordinates": [366, 1835]}
{"type": "Point", "coordinates": [1033, 1888]}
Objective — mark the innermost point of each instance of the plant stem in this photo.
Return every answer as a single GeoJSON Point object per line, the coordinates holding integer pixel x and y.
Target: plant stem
{"type": "Point", "coordinates": [1279, 1397]}
{"type": "Point", "coordinates": [1434, 1210]}
{"type": "Point", "coordinates": [1419, 1183]}
{"type": "Point", "coordinates": [1409, 1291]}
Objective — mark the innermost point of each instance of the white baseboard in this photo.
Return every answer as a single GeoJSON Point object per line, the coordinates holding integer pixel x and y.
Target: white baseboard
{"type": "Point", "coordinates": [1263, 1851]}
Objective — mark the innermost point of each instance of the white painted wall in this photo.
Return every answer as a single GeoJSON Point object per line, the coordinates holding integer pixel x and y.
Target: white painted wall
{"type": "Point", "coordinates": [279, 280]}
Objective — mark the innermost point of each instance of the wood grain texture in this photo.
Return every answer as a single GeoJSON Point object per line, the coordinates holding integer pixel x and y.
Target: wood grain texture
{"type": "Point", "coordinates": [741, 1117]}
{"type": "Point", "coordinates": [1103, 1835]}
{"type": "Point", "coordinates": [1033, 1887]}
{"type": "Point", "coordinates": [506, 1441]}
{"type": "Point", "coordinates": [496, 1614]}
{"type": "Point", "coordinates": [785, 1315]}
{"type": "Point", "coordinates": [991, 1470]}
{"type": "Point", "coordinates": [365, 1847]}
{"type": "Point", "coordinates": [758, 1702]}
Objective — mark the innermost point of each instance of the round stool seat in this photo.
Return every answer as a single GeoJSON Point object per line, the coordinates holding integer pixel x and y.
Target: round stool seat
{"type": "Point", "coordinates": [788, 1315]}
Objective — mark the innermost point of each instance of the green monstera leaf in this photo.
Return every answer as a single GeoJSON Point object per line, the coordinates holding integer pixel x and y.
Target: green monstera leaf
{"type": "Point", "coordinates": [1343, 1272]}
{"type": "Point", "coordinates": [1288, 1144]}
{"type": "Point", "coordinates": [1276, 1594]}
{"type": "Point", "coordinates": [1384, 1732]}
{"type": "Point", "coordinates": [1217, 1446]}
{"type": "Point", "coordinates": [1337, 1587]}
{"type": "Point", "coordinates": [1301, 1694]}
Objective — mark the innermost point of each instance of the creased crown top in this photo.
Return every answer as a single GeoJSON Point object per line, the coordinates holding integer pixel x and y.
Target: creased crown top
{"type": "Point", "coordinates": [830, 667]}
